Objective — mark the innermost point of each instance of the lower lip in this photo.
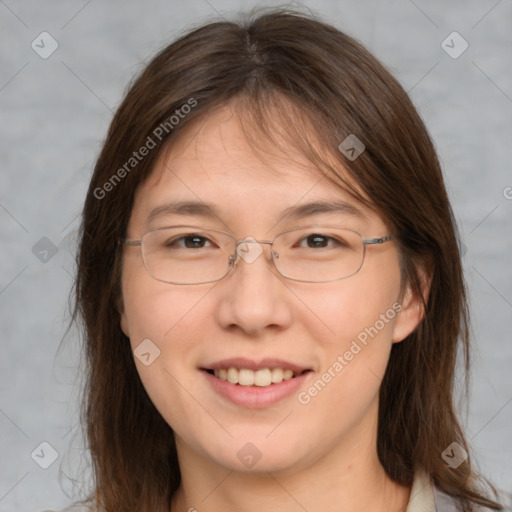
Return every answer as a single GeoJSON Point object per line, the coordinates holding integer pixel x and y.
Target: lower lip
{"type": "Point", "coordinates": [256, 397]}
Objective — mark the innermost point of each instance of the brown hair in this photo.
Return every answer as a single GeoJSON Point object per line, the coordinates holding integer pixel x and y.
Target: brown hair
{"type": "Point", "coordinates": [295, 79]}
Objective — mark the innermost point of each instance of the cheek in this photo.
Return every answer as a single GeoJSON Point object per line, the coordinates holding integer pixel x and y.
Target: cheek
{"type": "Point", "coordinates": [362, 307]}
{"type": "Point", "coordinates": [173, 321]}
{"type": "Point", "coordinates": [360, 313]}
{"type": "Point", "coordinates": [157, 310]}
{"type": "Point", "coordinates": [166, 324]}
{"type": "Point", "coordinates": [345, 391]}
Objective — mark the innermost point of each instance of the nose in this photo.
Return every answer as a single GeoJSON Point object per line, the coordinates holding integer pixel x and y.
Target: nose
{"type": "Point", "coordinates": [253, 297]}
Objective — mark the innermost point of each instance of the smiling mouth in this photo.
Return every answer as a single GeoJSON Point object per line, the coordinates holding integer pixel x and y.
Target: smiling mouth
{"type": "Point", "coordinates": [263, 377]}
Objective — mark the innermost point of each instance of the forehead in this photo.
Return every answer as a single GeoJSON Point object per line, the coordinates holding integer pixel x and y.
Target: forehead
{"type": "Point", "coordinates": [219, 144]}
{"type": "Point", "coordinates": [212, 162]}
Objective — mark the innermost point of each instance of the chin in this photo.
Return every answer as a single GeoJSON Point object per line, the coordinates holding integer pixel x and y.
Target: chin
{"type": "Point", "coordinates": [255, 454]}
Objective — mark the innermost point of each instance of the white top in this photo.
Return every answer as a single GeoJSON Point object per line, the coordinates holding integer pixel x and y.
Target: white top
{"type": "Point", "coordinates": [422, 495]}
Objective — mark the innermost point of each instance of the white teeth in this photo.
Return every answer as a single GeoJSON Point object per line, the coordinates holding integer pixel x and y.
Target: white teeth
{"type": "Point", "coordinates": [277, 375]}
{"type": "Point", "coordinates": [262, 378]}
{"type": "Point", "coordinates": [233, 375]}
{"type": "Point", "coordinates": [245, 377]}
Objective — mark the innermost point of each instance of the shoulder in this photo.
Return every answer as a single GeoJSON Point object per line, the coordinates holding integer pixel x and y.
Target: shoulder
{"type": "Point", "coordinates": [426, 497]}
{"type": "Point", "coordinates": [446, 503]}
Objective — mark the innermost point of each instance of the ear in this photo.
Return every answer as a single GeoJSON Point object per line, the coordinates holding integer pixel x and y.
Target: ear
{"type": "Point", "coordinates": [124, 325]}
{"type": "Point", "coordinates": [413, 310]}
{"type": "Point", "coordinates": [122, 315]}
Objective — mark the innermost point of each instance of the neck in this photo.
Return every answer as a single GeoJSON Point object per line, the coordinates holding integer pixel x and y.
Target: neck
{"type": "Point", "coordinates": [349, 479]}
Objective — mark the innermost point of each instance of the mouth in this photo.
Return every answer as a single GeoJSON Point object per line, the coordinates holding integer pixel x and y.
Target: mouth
{"type": "Point", "coordinates": [263, 377]}
{"type": "Point", "coordinates": [248, 384]}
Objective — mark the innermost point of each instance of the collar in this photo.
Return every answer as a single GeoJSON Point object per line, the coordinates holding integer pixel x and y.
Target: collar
{"type": "Point", "coordinates": [425, 497]}
{"type": "Point", "coordinates": [422, 494]}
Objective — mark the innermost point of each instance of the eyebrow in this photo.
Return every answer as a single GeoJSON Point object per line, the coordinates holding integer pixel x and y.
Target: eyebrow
{"type": "Point", "coordinates": [297, 212]}
{"type": "Point", "coordinates": [313, 208]}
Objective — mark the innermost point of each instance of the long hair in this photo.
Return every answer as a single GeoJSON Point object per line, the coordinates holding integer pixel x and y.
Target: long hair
{"type": "Point", "coordinates": [296, 80]}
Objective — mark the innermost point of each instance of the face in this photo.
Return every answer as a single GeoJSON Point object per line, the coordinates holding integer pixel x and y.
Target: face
{"type": "Point", "coordinates": [335, 336]}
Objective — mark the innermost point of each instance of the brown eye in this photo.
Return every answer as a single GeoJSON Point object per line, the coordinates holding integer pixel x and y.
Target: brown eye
{"type": "Point", "coordinates": [188, 242]}
{"type": "Point", "coordinates": [317, 240]}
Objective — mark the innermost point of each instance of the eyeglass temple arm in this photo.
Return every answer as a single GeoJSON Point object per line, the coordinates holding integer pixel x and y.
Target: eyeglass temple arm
{"type": "Point", "coordinates": [132, 243]}
{"type": "Point", "coordinates": [381, 240]}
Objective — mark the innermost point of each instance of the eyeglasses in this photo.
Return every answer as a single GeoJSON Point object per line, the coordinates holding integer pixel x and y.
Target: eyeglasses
{"type": "Point", "coordinates": [194, 255]}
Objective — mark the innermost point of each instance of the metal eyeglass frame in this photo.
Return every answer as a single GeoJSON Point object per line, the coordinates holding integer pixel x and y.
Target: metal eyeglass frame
{"type": "Point", "coordinates": [234, 257]}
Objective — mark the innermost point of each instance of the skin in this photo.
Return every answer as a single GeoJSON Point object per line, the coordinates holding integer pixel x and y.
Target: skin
{"type": "Point", "coordinates": [319, 456]}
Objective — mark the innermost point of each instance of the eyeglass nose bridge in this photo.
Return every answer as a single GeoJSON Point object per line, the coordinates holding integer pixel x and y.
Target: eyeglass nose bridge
{"type": "Point", "coordinates": [249, 249]}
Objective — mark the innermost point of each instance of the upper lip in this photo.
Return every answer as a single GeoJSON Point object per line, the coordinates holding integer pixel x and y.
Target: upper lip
{"type": "Point", "coordinates": [242, 362]}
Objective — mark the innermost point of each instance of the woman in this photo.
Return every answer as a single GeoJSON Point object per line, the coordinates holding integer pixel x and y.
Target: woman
{"type": "Point", "coordinates": [270, 285]}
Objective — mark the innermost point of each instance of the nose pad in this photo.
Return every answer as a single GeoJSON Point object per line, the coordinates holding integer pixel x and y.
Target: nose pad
{"type": "Point", "coordinates": [248, 256]}
{"type": "Point", "coordinates": [249, 249]}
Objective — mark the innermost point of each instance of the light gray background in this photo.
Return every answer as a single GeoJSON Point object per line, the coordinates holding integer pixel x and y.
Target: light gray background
{"type": "Point", "coordinates": [55, 113]}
